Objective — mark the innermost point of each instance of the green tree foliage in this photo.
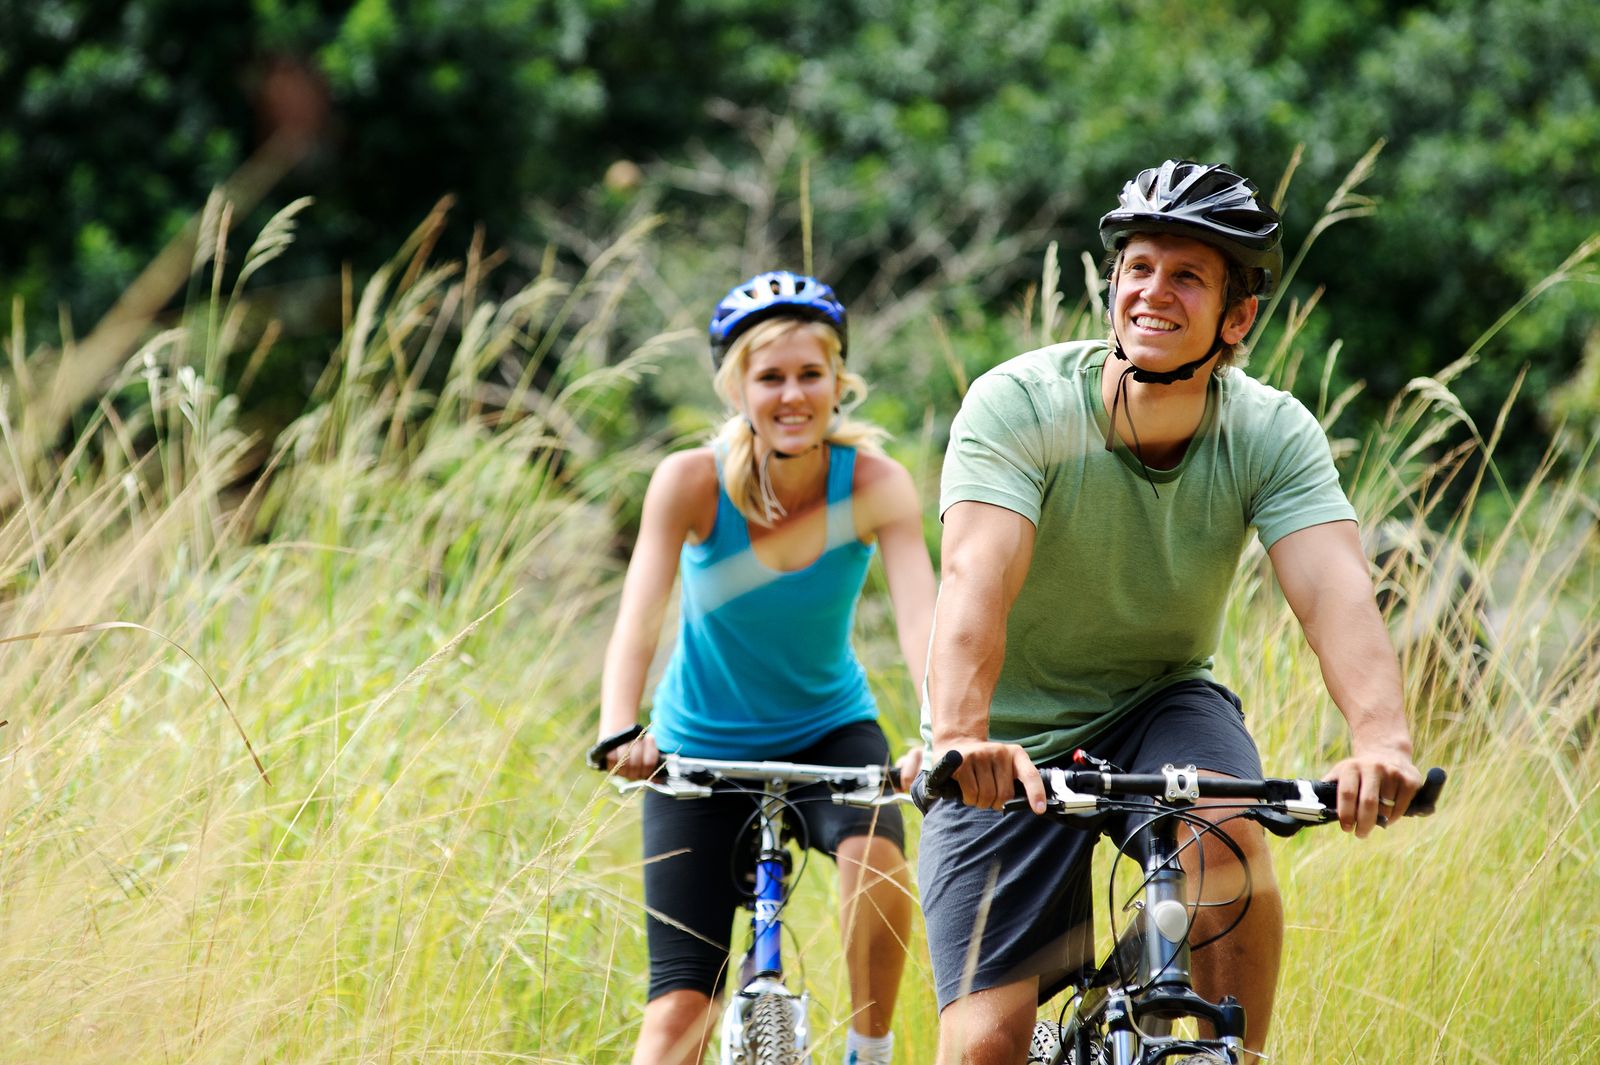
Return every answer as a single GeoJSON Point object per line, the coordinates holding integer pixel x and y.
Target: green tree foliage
{"type": "Point", "coordinates": [1493, 113]}
{"type": "Point", "coordinates": [124, 115]}
{"type": "Point", "coordinates": [119, 118]}
{"type": "Point", "coordinates": [945, 142]}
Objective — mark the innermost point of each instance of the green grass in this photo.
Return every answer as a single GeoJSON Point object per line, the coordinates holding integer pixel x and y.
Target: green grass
{"type": "Point", "coordinates": [406, 615]}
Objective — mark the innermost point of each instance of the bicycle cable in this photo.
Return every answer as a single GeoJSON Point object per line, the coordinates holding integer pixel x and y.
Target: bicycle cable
{"type": "Point", "coordinates": [1199, 828]}
{"type": "Point", "coordinates": [1245, 893]}
{"type": "Point", "coordinates": [795, 827]}
{"type": "Point", "coordinates": [801, 835]}
{"type": "Point", "coordinates": [797, 830]}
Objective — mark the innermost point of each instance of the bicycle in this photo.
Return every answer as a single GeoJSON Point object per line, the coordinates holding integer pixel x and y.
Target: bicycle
{"type": "Point", "coordinates": [764, 1022]}
{"type": "Point", "coordinates": [1123, 1010]}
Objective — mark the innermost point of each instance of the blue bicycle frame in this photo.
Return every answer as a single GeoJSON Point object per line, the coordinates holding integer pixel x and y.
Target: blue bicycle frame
{"type": "Point", "coordinates": [772, 873]}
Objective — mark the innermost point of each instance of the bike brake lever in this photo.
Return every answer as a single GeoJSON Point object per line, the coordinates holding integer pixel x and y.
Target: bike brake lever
{"type": "Point", "coordinates": [868, 797]}
{"type": "Point", "coordinates": [1277, 822]}
{"type": "Point", "coordinates": [676, 787]}
{"type": "Point", "coordinates": [1305, 806]}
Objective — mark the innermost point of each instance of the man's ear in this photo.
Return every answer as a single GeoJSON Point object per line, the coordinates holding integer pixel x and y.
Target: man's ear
{"type": "Point", "coordinates": [1240, 317]}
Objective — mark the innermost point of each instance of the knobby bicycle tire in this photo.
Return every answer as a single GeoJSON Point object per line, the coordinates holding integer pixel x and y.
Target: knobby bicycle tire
{"type": "Point", "coordinates": [769, 1032]}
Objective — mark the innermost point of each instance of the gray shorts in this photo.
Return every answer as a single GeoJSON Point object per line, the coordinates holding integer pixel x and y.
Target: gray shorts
{"type": "Point", "coordinates": [1023, 881]}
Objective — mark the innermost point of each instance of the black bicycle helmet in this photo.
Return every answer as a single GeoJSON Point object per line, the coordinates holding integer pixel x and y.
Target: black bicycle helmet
{"type": "Point", "coordinates": [767, 295]}
{"type": "Point", "coordinates": [1208, 202]}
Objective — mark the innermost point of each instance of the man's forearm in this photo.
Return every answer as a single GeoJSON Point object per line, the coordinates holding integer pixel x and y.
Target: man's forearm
{"type": "Point", "coordinates": [962, 673]}
{"type": "Point", "coordinates": [1363, 677]}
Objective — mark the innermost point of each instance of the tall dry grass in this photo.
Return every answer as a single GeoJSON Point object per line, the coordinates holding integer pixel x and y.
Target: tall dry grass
{"type": "Point", "coordinates": [403, 610]}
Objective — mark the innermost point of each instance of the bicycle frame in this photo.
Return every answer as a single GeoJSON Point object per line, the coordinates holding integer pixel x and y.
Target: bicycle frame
{"type": "Point", "coordinates": [766, 927]}
{"type": "Point", "coordinates": [761, 973]}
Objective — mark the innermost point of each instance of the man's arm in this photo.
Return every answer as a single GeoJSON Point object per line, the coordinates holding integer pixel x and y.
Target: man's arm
{"type": "Point", "coordinates": [986, 551]}
{"type": "Point", "coordinates": [1324, 577]}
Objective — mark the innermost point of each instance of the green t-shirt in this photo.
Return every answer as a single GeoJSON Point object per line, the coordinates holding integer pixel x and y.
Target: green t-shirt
{"type": "Point", "coordinates": [1126, 590]}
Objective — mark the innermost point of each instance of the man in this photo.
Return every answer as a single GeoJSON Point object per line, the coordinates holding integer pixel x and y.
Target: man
{"type": "Point", "coordinates": [1096, 499]}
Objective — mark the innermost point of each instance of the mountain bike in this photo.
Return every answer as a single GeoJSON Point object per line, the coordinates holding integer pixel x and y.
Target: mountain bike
{"type": "Point", "coordinates": [765, 1021]}
{"type": "Point", "coordinates": [1123, 1010]}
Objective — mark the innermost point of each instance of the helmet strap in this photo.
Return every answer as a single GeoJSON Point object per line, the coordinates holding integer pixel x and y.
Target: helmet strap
{"type": "Point", "coordinates": [773, 509]}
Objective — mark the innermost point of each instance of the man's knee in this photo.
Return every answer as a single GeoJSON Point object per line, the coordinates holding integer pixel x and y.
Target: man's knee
{"type": "Point", "coordinates": [990, 1027]}
{"type": "Point", "coordinates": [992, 1047]}
{"type": "Point", "coordinates": [1219, 873]}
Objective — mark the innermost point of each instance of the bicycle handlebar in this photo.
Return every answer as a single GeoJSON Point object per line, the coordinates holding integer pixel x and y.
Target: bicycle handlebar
{"type": "Point", "coordinates": [792, 773]}
{"type": "Point", "coordinates": [683, 777]}
{"type": "Point", "coordinates": [1070, 791]}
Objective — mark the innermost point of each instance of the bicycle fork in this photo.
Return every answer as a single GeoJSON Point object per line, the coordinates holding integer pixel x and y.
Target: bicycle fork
{"type": "Point", "coordinates": [763, 1003]}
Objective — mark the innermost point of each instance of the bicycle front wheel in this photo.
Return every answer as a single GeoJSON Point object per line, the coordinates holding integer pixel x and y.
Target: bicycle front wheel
{"type": "Point", "coordinates": [770, 1032]}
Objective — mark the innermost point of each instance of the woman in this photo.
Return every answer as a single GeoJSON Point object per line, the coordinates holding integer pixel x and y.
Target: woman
{"type": "Point", "coordinates": [773, 526]}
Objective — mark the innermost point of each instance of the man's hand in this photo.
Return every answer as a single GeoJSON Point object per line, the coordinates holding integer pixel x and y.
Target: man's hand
{"type": "Point", "coordinates": [989, 772]}
{"type": "Point", "coordinates": [1375, 787]}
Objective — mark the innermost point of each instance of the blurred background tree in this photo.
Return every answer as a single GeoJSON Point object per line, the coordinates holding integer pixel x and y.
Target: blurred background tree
{"type": "Point", "coordinates": [943, 145]}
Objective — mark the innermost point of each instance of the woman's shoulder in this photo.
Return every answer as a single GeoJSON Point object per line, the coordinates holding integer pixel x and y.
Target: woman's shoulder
{"type": "Point", "coordinates": [685, 488]}
{"type": "Point", "coordinates": [873, 466]}
{"type": "Point", "coordinates": [688, 478]}
{"type": "Point", "coordinates": [695, 468]}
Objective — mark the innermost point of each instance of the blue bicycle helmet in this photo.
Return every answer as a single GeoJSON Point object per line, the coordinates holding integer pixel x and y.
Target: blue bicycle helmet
{"type": "Point", "coordinates": [777, 292]}
{"type": "Point", "coordinates": [1208, 203]}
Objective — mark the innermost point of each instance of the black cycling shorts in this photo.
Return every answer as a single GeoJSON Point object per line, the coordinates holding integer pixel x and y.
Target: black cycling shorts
{"type": "Point", "coordinates": [692, 894]}
{"type": "Point", "coordinates": [1025, 878]}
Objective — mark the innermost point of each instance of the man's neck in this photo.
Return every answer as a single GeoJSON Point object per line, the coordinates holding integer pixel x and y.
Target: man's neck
{"type": "Point", "coordinates": [1164, 417]}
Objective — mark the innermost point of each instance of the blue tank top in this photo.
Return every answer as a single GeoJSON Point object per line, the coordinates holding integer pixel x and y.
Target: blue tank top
{"type": "Point", "coordinates": [763, 665]}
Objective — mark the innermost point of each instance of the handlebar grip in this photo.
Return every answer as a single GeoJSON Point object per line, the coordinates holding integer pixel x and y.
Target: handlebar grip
{"type": "Point", "coordinates": [596, 758]}
{"type": "Point", "coordinates": [1422, 803]}
{"type": "Point", "coordinates": [892, 775]}
{"type": "Point", "coordinates": [1427, 796]}
{"type": "Point", "coordinates": [938, 782]}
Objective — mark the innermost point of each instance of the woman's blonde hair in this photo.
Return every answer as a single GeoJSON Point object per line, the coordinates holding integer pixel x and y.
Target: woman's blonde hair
{"type": "Point", "coordinates": [743, 472]}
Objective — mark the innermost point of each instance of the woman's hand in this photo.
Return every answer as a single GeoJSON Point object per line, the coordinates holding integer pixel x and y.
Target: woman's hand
{"type": "Point", "coordinates": [908, 766]}
{"type": "Point", "coordinates": [637, 759]}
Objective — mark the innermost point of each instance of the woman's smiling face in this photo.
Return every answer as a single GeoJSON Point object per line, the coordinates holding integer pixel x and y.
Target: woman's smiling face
{"type": "Point", "coordinates": [1169, 292]}
{"type": "Point", "coordinates": [790, 391]}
